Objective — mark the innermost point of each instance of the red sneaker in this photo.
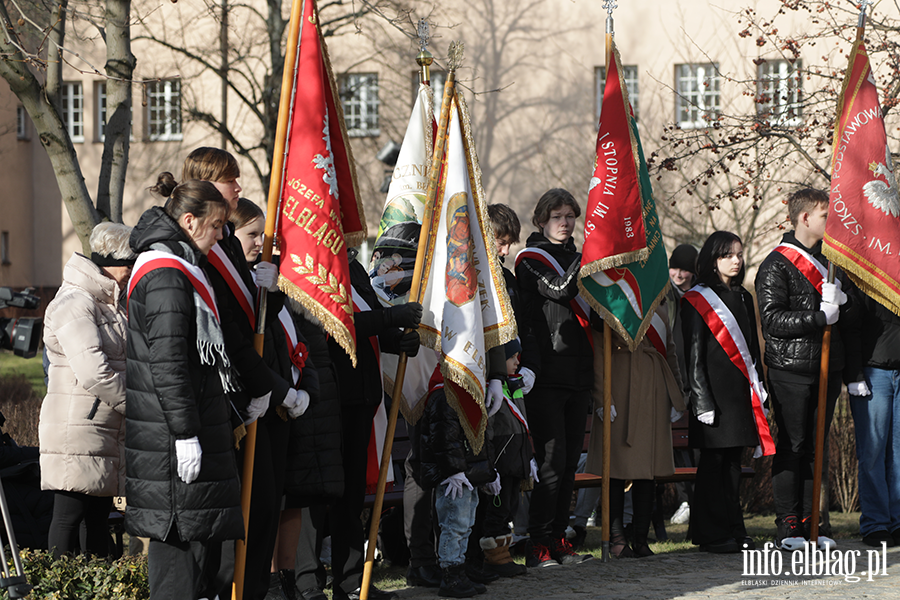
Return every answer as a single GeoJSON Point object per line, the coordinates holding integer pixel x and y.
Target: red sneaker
{"type": "Point", "coordinates": [538, 555]}
{"type": "Point", "coordinates": [561, 551]}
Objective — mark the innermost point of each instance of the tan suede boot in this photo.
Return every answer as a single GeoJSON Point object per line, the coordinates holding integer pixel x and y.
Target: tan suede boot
{"type": "Point", "coordinates": [497, 558]}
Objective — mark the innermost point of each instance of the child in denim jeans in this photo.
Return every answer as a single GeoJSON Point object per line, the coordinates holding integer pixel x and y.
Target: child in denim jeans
{"type": "Point", "coordinates": [448, 463]}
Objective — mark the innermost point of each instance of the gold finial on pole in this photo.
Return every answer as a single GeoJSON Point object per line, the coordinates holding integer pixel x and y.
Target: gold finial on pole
{"type": "Point", "coordinates": [424, 58]}
{"type": "Point", "coordinates": [455, 55]}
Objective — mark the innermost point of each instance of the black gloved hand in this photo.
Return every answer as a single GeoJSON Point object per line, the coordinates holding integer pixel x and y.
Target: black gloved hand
{"type": "Point", "coordinates": [409, 343]}
{"type": "Point", "coordinates": [405, 316]}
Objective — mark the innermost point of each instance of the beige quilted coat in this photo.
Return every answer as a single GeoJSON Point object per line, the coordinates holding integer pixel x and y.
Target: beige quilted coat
{"type": "Point", "coordinates": [84, 333]}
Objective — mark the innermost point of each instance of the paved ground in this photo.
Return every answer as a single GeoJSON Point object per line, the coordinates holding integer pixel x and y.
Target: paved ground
{"type": "Point", "coordinates": [693, 574]}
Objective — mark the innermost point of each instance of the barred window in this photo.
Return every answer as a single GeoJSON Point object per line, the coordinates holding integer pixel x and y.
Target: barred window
{"type": "Point", "coordinates": [630, 75]}
{"type": "Point", "coordinates": [697, 101]}
{"type": "Point", "coordinates": [72, 100]}
{"type": "Point", "coordinates": [359, 98]}
{"type": "Point", "coordinates": [779, 92]}
{"type": "Point", "coordinates": [164, 110]}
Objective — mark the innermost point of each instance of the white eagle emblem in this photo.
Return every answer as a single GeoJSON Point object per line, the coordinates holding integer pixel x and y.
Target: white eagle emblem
{"type": "Point", "coordinates": [327, 162]}
{"type": "Point", "coordinates": [595, 181]}
{"type": "Point", "coordinates": [881, 195]}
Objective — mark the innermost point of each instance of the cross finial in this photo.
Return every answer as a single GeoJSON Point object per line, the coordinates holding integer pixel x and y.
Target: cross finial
{"type": "Point", "coordinates": [610, 6]}
{"type": "Point", "coordinates": [423, 32]}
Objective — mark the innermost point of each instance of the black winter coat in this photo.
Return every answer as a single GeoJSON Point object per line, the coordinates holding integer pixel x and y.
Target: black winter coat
{"type": "Point", "coordinates": [716, 383]}
{"type": "Point", "coordinates": [170, 395]}
{"type": "Point", "coordinates": [315, 473]}
{"type": "Point", "coordinates": [441, 448]}
{"type": "Point", "coordinates": [362, 385]}
{"type": "Point", "coordinates": [256, 377]}
{"type": "Point", "coordinates": [530, 356]}
{"type": "Point", "coordinates": [567, 359]}
{"type": "Point", "coordinates": [792, 322]}
{"type": "Point", "coordinates": [880, 336]}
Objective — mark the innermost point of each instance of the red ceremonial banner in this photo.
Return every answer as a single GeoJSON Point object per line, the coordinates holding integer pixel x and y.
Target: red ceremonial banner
{"type": "Point", "coordinates": [862, 234]}
{"type": "Point", "coordinates": [614, 232]}
{"type": "Point", "coordinates": [320, 213]}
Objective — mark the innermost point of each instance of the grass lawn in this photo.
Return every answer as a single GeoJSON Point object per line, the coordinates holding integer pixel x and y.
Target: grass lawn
{"type": "Point", "coordinates": [31, 368]}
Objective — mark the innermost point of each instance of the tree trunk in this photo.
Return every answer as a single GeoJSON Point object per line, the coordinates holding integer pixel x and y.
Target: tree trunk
{"type": "Point", "coordinates": [50, 130]}
{"type": "Point", "coordinates": [54, 55]}
{"type": "Point", "coordinates": [120, 63]}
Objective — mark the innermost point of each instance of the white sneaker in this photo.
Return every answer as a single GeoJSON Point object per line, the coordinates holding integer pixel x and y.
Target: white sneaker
{"type": "Point", "coordinates": [682, 515]}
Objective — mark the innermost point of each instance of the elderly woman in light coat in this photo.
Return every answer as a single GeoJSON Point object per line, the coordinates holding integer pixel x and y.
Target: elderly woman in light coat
{"type": "Point", "coordinates": [82, 425]}
{"type": "Point", "coordinates": [646, 396]}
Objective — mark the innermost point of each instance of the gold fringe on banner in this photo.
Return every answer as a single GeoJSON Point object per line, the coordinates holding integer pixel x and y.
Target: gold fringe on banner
{"type": "Point", "coordinates": [332, 325]}
{"type": "Point", "coordinates": [613, 321]}
{"type": "Point", "coordinates": [863, 272]}
{"type": "Point", "coordinates": [456, 373]}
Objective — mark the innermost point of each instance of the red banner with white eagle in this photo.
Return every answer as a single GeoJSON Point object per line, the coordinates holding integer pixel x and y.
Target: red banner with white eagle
{"type": "Point", "coordinates": [862, 234]}
{"type": "Point", "coordinates": [320, 212]}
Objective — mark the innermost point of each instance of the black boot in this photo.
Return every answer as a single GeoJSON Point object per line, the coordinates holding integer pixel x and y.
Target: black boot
{"type": "Point", "coordinates": [618, 544]}
{"type": "Point", "coordinates": [642, 501]}
{"type": "Point", "coordinates": [455, 584]}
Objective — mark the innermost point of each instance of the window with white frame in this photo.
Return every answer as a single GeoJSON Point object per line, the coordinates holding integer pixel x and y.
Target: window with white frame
{"type": "Point", "coordinates": [164, 110]}
{"type": "Point", "coordinates": [697, 100]}
{"type": "Point", "coordinates": [359, 98]}
{"type": "Point", "coordinates": [100, 105]}
{"type": "Point", "coordinates": [630, 75]}
{"type": "Point", "coordinates": [21, 123]}
{"type": "Point", "coordinates": [438, 79]}
{"type": "Point", "coordinates": [72, 101]}
{"type": "Point", "coordinates": [779, 92]}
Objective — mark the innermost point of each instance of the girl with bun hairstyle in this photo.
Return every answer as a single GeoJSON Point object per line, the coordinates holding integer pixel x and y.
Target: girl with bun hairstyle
{"type": "Point", "coordinates": [181, 475]}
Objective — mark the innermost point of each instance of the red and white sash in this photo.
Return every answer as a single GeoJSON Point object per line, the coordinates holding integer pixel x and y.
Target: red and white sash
{"type": "Point", "coordinates": [221, 263]}
{"type": "Point", "coordinates": [727, 332]}
{"type": "Point", "coordinates": [517, 413]}
{"type": "Point", "coordinates": [379, 423]}
{"type": "Point", "coordinates": [579, 305]}
{"type": "Point", "coordinates": [656, 333]}
{"type": "Point", "coordinates": [805, 262]}
{"type": "Point", "coordinates": [156, 259]}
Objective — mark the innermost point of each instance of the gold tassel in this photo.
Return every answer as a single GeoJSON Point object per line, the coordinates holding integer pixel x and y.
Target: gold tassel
{"type": "Point", "coordinates": [240, 432]}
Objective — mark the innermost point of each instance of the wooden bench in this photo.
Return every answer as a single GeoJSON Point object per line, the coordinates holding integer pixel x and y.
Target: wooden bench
{"type": "Point", "coordinates": [679, 442]}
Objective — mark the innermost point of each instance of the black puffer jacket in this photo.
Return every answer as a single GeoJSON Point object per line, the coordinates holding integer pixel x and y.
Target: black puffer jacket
{"type": "Point", "coordinates": [567, 359]}
{"type": "Point", "coordinates": [441, 448]}
{"type": "Point", "coordinates": [792, 322]}
{"type": "Point", "coordinates": [170, 395]}
{"type": "Point", "coordinates": [315, 473]}
{"type": "Point", "coordinates": [880, 336]}
{"type": "Point", "coordinates": [530, 356]}
{"type": "Point", "coordinates": [716, 383]}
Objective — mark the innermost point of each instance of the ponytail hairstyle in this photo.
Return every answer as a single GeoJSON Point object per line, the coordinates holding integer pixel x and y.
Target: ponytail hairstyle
{"type": "Point", "coordinates": [245, 213]}
{"type": "Point", "coordinates": [717, 245]}
{"type": "Point", "coordinates": [200, 198]}
{"type": "Point", "coordinates": [210, 164]}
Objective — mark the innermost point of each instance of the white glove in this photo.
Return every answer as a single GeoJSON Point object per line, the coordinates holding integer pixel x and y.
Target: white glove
{"type": "Point", "coordinates": [493, 488]}
{"type": "Point", "coordinates": [296, 402]}
{"type": "Point", "coordinates": [707, 417]}
{"type": "Point", "coordinates": [534, 470]}
{"type": "Point", "coordinates": [188, 453]}
{"type": "Point", "coordinates": [832, 312]}
{"type": "Point", "coordinates": [757, 452]}
{"type": "Point", "coordinates": [257, 408]}
{"type": "Point", "coordinates": [493, 400]}
{"type": "Point", "coordinates": [527, 378]}
{"type": "Point", "coordinates": [859, 388]}
{"type": "Point", "coordinates": [455, 485]}
{"type": "Point", "coordinates": [267, 276]}
{"type": "Point", "coordinates": [832, 294]}
{"type": "Point", "coordinates": [612, 413]}
{"type": "Point", "coordinates": [674, 415]}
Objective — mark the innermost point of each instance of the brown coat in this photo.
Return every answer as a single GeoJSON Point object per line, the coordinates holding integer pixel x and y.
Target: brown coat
{"type": "Point", "coordinates": [645, 387]}
{"type": "Point", "coordinates": [84, 333]}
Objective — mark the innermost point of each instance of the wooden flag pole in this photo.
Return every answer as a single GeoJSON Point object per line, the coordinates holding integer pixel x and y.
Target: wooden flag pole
{"type": "Point", "coordinates": [415, 295]}
{"type": "Point", "coordinates": [823, 369]}
{"type": "Point", "coordinates": [275, 177]}
{"type": "Point", "coordinates": [607, 360]}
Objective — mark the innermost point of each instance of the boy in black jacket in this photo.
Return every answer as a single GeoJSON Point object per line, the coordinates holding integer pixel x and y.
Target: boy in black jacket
{"type": "Point", "coordinates": [795, 304]}
{"type": "Point", "coordinates": [447, 463]}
